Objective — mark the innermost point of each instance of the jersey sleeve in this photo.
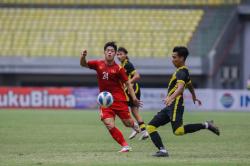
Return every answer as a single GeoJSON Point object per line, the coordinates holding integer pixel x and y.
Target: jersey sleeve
{"type": "Point", "coordinates": [93, 64]}
{"type": "Point", "coordinates": [183, 76]}
{"type": "Point", "coordinates": [130, 68]}
{"type": "Point", "coordinates": [122, 74]}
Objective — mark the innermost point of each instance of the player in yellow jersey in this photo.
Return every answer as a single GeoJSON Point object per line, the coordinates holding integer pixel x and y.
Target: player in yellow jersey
{"type": "Point", "coordinates": [173, 112]}
{"type": "Point", "coordinates": [133, 76]}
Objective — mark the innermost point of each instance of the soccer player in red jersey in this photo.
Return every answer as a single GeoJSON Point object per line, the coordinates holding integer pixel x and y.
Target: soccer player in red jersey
{"type": "Point", "coordinates": [112, 77]}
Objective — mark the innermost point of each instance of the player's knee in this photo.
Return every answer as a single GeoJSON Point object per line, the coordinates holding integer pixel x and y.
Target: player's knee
{"type": "Point", "coordinates": [179, 131]}
{"type": "Point", "coordinates": [128, 122]}
{"type": "Point", "coordinates": [150, 128]}
{"type": "Point", "coordinates": [109, 125]}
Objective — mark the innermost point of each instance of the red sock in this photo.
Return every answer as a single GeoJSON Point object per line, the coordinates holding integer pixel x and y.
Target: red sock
{"type": "Point", "coordinates": [117, 135]}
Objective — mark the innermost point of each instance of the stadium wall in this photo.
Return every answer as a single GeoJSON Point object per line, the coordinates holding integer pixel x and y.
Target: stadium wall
{"type": "Point", "coordinates": [244, 14]}
{"type": "Point", "coordinates": [220, 62]}
{"type": "Point", "coordinates": [228, 60]}
{"type": "Point", "coordinates": [65, 71]}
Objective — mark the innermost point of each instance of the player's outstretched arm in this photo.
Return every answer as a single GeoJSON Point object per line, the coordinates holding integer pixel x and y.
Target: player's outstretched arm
{"type": "Point", "coordinates": [83, 61]}
{"type": "Point", "coordinates": [132, 93]}
{"type": "Point", "coordinates": [192, 91]}
{"type": "Point", "coordinates": [135, 77]}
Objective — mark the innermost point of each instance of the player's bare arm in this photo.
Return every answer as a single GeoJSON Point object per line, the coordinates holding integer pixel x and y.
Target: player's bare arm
{"type": "Point", "coordinates": [192, 91]}
{"type": "Point", "coordinates": [83, 61]}
{"type": "Point", "coordinates": [132, 93]}
{"type": "Point", "coordinates": [135, 77]}
{"type": "Point", "coordinates": [180, 88]}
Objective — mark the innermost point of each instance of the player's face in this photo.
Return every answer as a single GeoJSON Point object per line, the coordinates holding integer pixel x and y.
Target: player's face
{"type": "Point", "coordinates": [177, 60]}
{"type": "Point", "coordinates": [110, 54]}
{"type": "Point", "coordinates": [121, 56]}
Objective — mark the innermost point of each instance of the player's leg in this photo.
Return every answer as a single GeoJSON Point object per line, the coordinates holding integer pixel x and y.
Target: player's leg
{"type": "Point", "coordinates": [138, 118]}
{"type": "Point", "coordinates": [125, 117]}
{"type": "Point", "coordinates": [177, 118]}
{"type": "Point", "coordinates": [134, 132]}
{"type": "Point", "coordinates": [127, 120]}
{"type": "Point", "coordinates": [177, 123]}
{"type": "Point", "coordinates": [160, 119]}
{"type": "Point", "coordinates": [124, 114]}
{"type": "Point", "coordinates": [191, 128]}
{"type": "Point", "coordinates": [180, 129]}
{"type": "Point", "coordinates": [177, 127]}
{"type": "Point", "coordinates": [108, 119]}
{"type": "Point", "coordinates": [136, 115]}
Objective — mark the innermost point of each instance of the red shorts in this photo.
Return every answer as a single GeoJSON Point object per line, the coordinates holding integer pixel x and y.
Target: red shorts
{"type": "Point", "coordinates": [118, 108]}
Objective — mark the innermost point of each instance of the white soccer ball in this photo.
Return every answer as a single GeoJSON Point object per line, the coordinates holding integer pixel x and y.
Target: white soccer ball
{"type": "Point", "coordinates": [105, 99]}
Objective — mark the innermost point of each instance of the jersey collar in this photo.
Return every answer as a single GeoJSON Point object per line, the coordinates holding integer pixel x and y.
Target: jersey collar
{"type": "Point", "coordinates": [182, 67]}
{"type": "Point", "coordinates": [124, 62]}
{"type": "Point", "coordinates": [106, 63]}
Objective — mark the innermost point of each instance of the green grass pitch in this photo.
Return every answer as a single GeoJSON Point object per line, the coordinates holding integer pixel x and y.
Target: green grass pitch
{"type": "Point", "coordinates": [78, 138]}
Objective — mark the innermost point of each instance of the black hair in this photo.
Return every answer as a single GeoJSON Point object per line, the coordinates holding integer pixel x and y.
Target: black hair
{"type": "Point", "coordinates": [122, 49]}
{"type": "Point", "coordinates": [181, 51]}
{"type": "Point", "coordinates": [111, 44]}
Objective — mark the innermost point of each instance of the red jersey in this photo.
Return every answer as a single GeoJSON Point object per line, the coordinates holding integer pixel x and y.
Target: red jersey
{"type": "Point", "coordinates": [110, 78]}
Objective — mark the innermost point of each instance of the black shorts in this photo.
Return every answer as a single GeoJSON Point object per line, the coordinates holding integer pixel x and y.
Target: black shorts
{"type": "Point", "coordinates": [137, 91]}
{"type": "Point", "coordinates": [173, 114]}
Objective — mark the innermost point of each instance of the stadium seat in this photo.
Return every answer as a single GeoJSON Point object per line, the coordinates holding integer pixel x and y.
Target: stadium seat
{"type": "Point", "coordinates": [64, 32]}
{"type": "Point", "coordinates": [124, 2]}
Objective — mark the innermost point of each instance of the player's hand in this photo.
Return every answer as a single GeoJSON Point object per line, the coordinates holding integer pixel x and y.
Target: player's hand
{"type": "Point", "coordinates": [137, 102]}
{"type": "Point", "coordinates": [198, 101]}
{"type": "Point", "coordinates": [168, 101]}
{"type": "Point", "coordinates": [84, 53]}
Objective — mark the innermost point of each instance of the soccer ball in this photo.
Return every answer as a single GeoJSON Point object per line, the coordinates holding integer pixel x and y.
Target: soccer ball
{"type": "Point", "coordinates": [105, 99]}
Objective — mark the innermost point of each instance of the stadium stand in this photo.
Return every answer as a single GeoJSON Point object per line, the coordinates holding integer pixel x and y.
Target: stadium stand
{"type": "Point", "coordinates": [125, 2]}
{"type": "Point", "coordinates": [209, 29]}
{"type": "Point", "coordinates": [63, 32]}
{"type": "Point", "coordinates": [45, 37]}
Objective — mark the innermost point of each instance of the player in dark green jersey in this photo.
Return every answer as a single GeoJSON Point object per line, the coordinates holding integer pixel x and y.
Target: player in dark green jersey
{"type": "Point", "coordinates": [173, 112]}
{"type": "Point", "coordinates": [133, 75]}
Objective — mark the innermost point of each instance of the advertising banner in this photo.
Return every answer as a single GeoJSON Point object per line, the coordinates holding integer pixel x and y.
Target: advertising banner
{"type": "Point", "coordinates": [237, 100]}
{"type": "Point", "coordinates": [206, 96]}
{"type": "Point", "coordinates": [85, 98]}
{"type": "Point", "coordinates": [212, 100]}
{"type": "Point", "coordinates": [59, 98]}
{"type": "Point", "coordinates": [153, 99]}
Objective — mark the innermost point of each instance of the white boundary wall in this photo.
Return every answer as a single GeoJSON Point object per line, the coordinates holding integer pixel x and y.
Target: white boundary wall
{"type": "Point", "coordinates": [234, 100]}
